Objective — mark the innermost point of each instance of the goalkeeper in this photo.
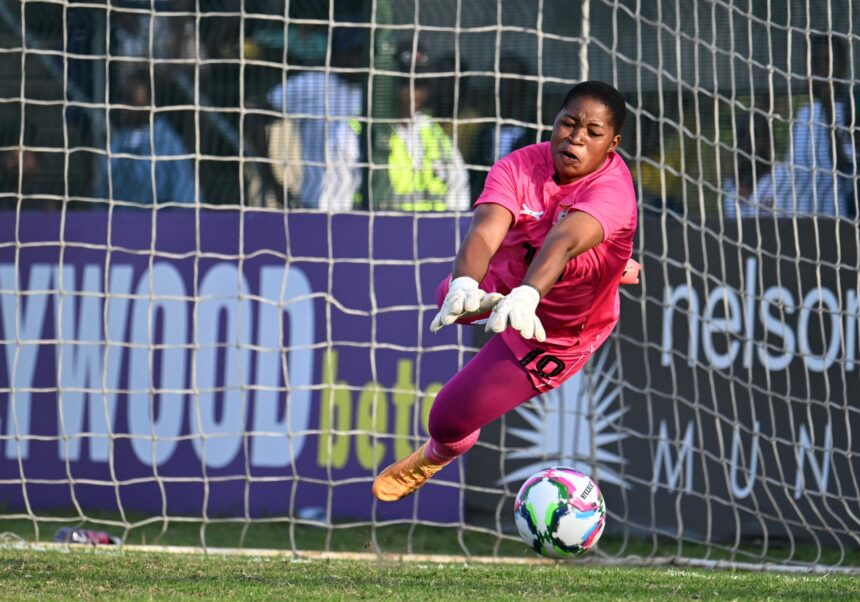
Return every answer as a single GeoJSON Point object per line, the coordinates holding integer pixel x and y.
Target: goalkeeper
{"type": "Point", "coordinates": [551, 239]}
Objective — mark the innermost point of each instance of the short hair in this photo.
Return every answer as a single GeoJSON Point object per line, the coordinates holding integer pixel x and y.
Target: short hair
{"type": "Point", "coordinates": [603, 93]}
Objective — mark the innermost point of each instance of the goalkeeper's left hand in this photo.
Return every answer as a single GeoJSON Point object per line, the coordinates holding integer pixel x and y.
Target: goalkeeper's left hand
{"type": "Point", "coordinates": [518, 309]}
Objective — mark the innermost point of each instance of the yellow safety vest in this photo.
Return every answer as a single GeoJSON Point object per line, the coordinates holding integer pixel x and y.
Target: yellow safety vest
{"type": "Point", "coordinates": [418, 188]}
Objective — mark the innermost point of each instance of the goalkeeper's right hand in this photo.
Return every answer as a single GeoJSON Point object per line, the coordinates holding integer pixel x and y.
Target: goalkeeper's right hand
{"type": "Point", "coordinates": [464, 298]}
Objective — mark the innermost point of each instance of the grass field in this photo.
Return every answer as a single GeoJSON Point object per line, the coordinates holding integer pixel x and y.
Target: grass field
{"type": "Point", "coordinates": [406, 538]}
{"type": "Point", "coordinates": [87, 573]}
{"type": "Point", "coordinates": [401, 538]}
{"type": "Point", "coordinates": [272, 572]}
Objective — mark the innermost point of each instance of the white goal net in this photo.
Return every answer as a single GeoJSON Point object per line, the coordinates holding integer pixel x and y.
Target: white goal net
{"type": "Point", "coordinates": [222, 225]}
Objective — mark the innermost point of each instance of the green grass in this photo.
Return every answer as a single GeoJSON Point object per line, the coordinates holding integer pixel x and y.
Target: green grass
{"type": "Point", "coordinates": [281, 535]}
{"type": "Point", "coordinates": [131, 574]}
{"type": "Point", "coordinates": [405, 538]}
{"type": "Point", "coordinates": [112, 575]}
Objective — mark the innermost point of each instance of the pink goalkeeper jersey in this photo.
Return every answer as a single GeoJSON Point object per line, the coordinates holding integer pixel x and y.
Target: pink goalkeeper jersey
{"type": "Point", "coordinates": [582, 308]}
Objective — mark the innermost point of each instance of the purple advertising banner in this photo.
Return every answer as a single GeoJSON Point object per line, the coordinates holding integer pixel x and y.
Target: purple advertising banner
{"type": "Point", "coordinates": [220, 363]}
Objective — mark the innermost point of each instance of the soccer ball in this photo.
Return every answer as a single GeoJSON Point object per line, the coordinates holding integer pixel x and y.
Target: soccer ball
{"type": "Point", "coordinates": [560, 512]}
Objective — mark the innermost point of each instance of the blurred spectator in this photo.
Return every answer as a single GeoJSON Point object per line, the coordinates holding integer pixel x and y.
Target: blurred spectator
{"type": "Point", "coordinates": [330, 137]}
{"type": "Point", "coordinates": [662, 176]}
{"type": "Point", "coordinates": [678, 164]}
{"type": "Point", "coordinates": [308, 44]}
{"type": "Point", "coordinates": [277, 181]}
{"type": "Point", "coordinates": [173, 35]}
{"type": "Point", "coordinates": [513, 127]}
{"type": "Point", "coordinates": [147, 137]}
{"type": "Point", "coordinates": [177, 33]}
{"type": "Point", "coordinates": [451, 102]}
{"type": "Point", "coordinates": [140, 36]}
{"type": "Point", "coordinates": [426, 172]}
{"type": "Point", "coordinates": [820, 140]}
{"type": "Point", "coordinates": [18, 173]}
{"type": "Point", "coordinates": [760, 182]}
{"type": "Point", "coordinates": [285, 147]}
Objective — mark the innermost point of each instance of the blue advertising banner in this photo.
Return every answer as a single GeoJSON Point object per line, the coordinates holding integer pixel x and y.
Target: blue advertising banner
{"type": "Point", "coordinates": [220, 363]}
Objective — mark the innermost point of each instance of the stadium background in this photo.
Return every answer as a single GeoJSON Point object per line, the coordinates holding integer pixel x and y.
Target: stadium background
{"type": "Point", "coordinates": [242, 54]}
{"type": "Point", "coordinates": [704, 426]}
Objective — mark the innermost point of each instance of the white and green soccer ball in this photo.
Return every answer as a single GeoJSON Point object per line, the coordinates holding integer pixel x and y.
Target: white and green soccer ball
{"type": "Point", "coordinates": [560, 512]}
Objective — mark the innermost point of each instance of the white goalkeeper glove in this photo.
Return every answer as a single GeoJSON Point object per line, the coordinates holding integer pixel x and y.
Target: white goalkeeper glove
{"type": "Point", "coordinates": [464, 299]}
{"type": "Point", "coordinates": [518, 309]}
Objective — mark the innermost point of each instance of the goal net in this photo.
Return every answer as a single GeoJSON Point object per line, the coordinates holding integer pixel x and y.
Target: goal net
{"type": "Point", "coordinates": [222, 225]}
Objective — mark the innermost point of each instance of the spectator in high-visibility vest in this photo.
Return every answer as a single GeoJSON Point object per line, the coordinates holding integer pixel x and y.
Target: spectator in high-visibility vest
{"type": "Point", "coordinates": [425, 170]}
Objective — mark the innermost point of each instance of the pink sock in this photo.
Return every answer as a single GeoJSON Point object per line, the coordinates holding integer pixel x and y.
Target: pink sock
{"type": "Point", "coordinates": [442, 453]}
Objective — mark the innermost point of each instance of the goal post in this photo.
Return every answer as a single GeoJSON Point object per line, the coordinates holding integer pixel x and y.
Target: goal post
{"type": "Point", "coordinates": [189, 340]}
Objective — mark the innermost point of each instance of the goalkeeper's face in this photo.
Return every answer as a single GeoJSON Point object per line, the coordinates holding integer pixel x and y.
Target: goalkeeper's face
{"type": "Point", "coordinates": [582, 137]}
